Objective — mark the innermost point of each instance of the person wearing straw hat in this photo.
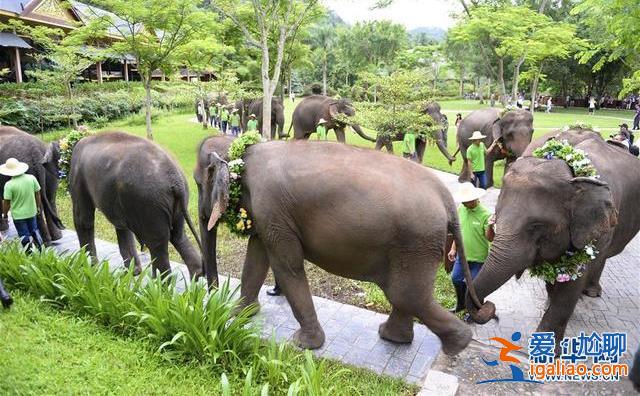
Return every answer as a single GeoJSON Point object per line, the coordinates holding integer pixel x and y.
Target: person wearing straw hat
{"type": "Point", "coordinates": [477, 229]}
{"type": "Point", "coordinates": [252, 124]}
{"type": "Point", "coordinates": [22, 197]}
{"type": "Point", "coordinates": [475, 156]}
{"type": "Point", "coordinates": [321, 131]}
{"type": "Point", "coordinates": [234, 121]}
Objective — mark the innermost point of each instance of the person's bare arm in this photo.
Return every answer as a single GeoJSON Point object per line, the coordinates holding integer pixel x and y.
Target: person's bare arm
{"type": "Point", "coordinates": [6, 205]}
{"type": "Point", "coordinates": [491, 231]}
{"type": "Point", "coordinates": [452, 253]}
{"type": "Point", "coordinates": [38, 202]}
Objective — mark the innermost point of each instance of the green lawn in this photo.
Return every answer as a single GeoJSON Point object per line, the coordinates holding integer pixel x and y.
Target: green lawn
{"type": "Point", "coordinates": [51, 352]}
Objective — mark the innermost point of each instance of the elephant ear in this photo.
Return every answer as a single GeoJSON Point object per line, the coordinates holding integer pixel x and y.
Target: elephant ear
{"type": "Point", "coordinates": [218, 175]}
{"type": "Point", "coordinates": [333, 109]}
{"type": "Point", "coordinates": [496, 129]}
{"type": "Point", "coordinates": [593, 213]}
{"type": "Point", "coordinates": [52, 154]}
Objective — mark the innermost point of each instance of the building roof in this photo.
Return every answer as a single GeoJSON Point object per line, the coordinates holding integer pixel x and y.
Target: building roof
{"type": "Point", "coordinates": [11, 40]}
{"type": "Point", "coordinates": [15, 6]}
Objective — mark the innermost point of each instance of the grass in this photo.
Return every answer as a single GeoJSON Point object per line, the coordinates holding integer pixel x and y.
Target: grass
{"type": "Point", "coordinates": [191, 330]}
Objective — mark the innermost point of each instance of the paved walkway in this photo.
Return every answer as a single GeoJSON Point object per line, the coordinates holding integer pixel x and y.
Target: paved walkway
{"type": "Point", "coordinates": [351, 332]}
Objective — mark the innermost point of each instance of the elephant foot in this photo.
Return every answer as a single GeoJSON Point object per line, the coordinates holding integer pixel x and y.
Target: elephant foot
{"type": "Point", "coordinates": [254, 308]}
{"type": "Point", "coordinates": [457, 341]}
{"type": "Point", "coordinates": [4, 224]}
{"type": "Point", "coordinates": [55, 234]}
{"type": "Point", "coordinates": [309, 339]}
{"type": "Point", "coordinates": [593, 291]}
{"type": "Point", "coordinates": [395, 333]}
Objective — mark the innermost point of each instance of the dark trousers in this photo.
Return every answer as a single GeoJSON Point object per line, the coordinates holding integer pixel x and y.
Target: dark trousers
{"type": "Point", "coordinates": [636, 121]}
{"type": "Point", "coordinates": [413, 157]}
{"type": "Point", "coordinates": [224, 126]}
{"type": "Point", "coordinates": [235, 130]}
{"type": "Point", "coordinates": [27, 230]}
{"type": "Point", "coordinates": [457, 275]}
{"type": "Point", "coordinates": [481, 179]}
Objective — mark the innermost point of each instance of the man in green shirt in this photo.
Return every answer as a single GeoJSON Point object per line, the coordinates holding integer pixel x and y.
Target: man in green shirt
{"type": "Point", "coordinates": [475, 157]}
{"type": "Point", "coordinates": [22, 197]}
{"type": "Point", "coordinates": [234, 120]}
{"type": "Point", "coordinates": [252, 124]}
{"type": "Point", "coordinates": [224, 118]}
{"type": "Point", "coordinates": [321, 130]}
{"type": "Point", "coordinates": [477, 229]}
{"type": "Point", "coordinates": [409, 146]}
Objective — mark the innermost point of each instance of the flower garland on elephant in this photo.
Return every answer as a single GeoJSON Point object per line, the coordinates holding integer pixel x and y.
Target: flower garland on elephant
{"type": "Point", "coordinates": [236, 218]}
{"type": "Point", "coordinates": [571, 265]}
{"type": "Point", "coordinates": [67, 144]}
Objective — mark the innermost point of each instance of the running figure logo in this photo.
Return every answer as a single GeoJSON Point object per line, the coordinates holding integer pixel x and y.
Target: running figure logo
{"type": "Point", "coordinates": [516, 372]}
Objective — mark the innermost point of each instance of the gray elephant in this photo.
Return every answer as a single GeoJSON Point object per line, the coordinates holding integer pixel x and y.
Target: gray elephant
{"type": "Point", "coordinates": [302, 211]}
{"type": "Point", "coordinates": [512, 132]}
{"type": "Point", "coordinates": [441, 136]}
{"type": "Point", "coordinates": [254, 106]}
{"type": "Point", "coordinates": [43, 164]}
{"type": "Point", "coordinates": [141, 191]}
{"type": "Point", "coordinates": [544, 211]}
{"type": "Point", "coordinates": [312, 108]}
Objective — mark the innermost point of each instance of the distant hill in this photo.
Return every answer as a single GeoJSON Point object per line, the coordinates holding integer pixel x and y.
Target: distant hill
{"type": "Point", "coordinates": [432, 33]}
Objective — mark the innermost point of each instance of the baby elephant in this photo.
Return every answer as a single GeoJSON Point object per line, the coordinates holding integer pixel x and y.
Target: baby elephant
{"type": "Point", "coordinates": [384, 221]}
{"type": "Point", "coordinates": [140, 190]}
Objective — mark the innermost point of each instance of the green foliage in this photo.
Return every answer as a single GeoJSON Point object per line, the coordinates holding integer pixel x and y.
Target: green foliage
{"type": "Point", "coordinates": [66, 148]}
{"type": "Point", "coordinates": [576, 158]}
{"type": "Point", "coordinates": [569, 266]}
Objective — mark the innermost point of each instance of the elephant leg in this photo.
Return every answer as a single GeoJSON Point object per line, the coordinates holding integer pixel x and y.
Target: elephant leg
{"type": "Point", "coordinates": [411, 293]}
{"type": "Point", "coordinates": [340, 135]}
{"type": "Point", "coordinates": [379, 143]}
{"type": "Point", "coordinates": [127, 245]}
{"type": "Point", "coordinates": [421, 147]}
{"type": "Point", "coordinates": [563, 298]}
{"type": "Point", "coordinates": [83, 219]}
{"type": "Point", "coordinates": [389, 145]}
{"type": "Point", "coordinates": [160, 258]}
{"type": "Point", "coordinates": [287, 262]}
{"type": "Point", "coordinates": [254, 272]}
{"type": "Point", "coordinates": [593, 288]}
{"type": "Point", "coordinates": [209, 259]}
{"type": "Point", "coordinates": [44, 230]}
{"type": "Point", "coordinates": [190, 256]}
{"type": "Point", "coordinates": [465, 173]}
{"type": "Point", "coordinates": [398, 328]}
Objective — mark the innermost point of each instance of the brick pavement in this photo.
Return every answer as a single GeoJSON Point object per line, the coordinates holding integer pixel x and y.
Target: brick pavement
{"type": "Point", "coordinates": [351, 332]}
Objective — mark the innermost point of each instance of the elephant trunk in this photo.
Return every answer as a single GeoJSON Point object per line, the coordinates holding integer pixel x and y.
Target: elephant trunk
{"type": "Point", "coordinates": [361, 133]}
{"type": "Point", "coordinates": [443, 150]}
{"type": "Point", "coordinates": [505, 260]}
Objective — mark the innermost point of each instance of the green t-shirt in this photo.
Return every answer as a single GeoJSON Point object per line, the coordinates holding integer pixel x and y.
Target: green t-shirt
{"type": "Point", "coordinates": [475, 154]}
{"type": "Point", "coordinates": [224, 116]}
{"type": "Point", "coordinates": [252, 125]}
{"type": "Point", "coordinates": [322, 132]}
{"type": "Point", "coordinates": [20, 191]}
{"type": "Point", "coordinates": [234, 119]}
{"type": "Point", "coordinates": [473, 224]}
{"type": "Point", "coordinates": [409, 143]}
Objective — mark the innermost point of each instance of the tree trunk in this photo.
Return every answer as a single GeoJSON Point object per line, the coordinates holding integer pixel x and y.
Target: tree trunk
{"type": "Point", "coordinates": [534, 89]}
{"type": "Point", "coordinates": [147, 104]}
{"type": "Point", "coordinates": [74, 120]}
{"type": "Point", "coordinates": [461, 91]}
{"type": "Point", "coordinates": [481, 90]}
{"type": "Point", "coordinates": [503, 88]}
{"type": "Point", "coordinates": [516, 78]}
{"type": "Point", "coordinates": [324, 73]}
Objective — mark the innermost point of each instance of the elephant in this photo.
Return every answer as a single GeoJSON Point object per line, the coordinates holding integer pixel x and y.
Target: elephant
{"type": "Point", "coordinates": [544, 211]}
{"type": "Point", "coordinates": [43, 164]}
{"type": "Point", "coordinates": [312, 108]}
{"type": "Point", "coordinates": [141, 191]}
{"type": "Point", "coordinates": [300, 211]}
{"type": "Point", "coordinates": [512, 132]}
{"type": "Point", "coordinates": [246, 107]}
{"type": "Point", "coordinates": [434, 111]}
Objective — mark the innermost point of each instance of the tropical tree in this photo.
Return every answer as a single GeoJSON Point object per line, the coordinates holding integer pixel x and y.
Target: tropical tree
{"type": "Point", "coordinates": [260, 21]}
{"type": "Point", "coordinates": [155, 32]}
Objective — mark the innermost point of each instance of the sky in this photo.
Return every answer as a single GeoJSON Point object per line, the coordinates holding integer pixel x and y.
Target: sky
{"type": "Point", "coordinates": [410, 13]}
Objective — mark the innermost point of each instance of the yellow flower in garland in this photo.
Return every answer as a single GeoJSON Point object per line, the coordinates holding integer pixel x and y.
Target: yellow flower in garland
{"type": "Point", "coordinates": [240, 225]}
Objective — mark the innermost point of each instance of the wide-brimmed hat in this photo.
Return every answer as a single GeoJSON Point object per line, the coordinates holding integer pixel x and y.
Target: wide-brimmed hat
{"type": "Point", "coordinates": [477, 135]}
{"type": "Point", "coordinates": [467, 192]}
{"type": "Point", "coordinates": [321, 121]}
{"type": "Point", "coordinates": [13, 167]}
{"type": "Point", "coordinates": [234, 110]}
{"type": "Point", "coordinates": [253, 115]}
{"type": "Point", "coordinates": [624, 125]}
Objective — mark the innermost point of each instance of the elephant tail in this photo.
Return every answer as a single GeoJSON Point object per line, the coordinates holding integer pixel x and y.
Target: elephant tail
{"type": "Point", "coordinates": [180, 196]}
{"type": "Point", "coordinates": [454, 228]}
{"type": "Point", "coordinates": [289, 131]}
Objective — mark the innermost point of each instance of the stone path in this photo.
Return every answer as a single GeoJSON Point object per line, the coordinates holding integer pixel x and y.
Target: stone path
{"type": "Point", "coordinates": [351, 332]}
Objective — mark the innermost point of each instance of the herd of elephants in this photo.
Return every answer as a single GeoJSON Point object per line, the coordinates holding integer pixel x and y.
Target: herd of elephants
{"type": "Point", "coordinates": [355, 212]}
